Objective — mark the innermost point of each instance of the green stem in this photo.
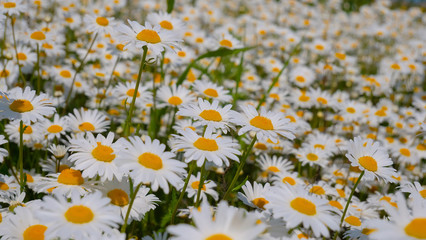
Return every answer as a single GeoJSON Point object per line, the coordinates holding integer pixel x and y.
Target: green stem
{"type": "Point", "coordinates": [347, 204]}
{"type": "Point", "coordinates": [132, 104]}
{"type": "Point", "coordinates": [78, 71]}
{"type": "Point", "coordinates": [182, 193]}
{"type": "Point", "coordinates": [201, 183]}
{"type": "Point", "coordinates": [16, 52]}
{"type": "Point", "coordinates": [240, 167]}
{"type": "Point", "coordinates": [132, 200]}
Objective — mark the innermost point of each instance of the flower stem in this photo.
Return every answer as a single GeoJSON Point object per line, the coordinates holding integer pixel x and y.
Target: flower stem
{"type": "Point", "coordinates": [240, 167]}
{"type": "Point", "coordinates": [38, 70]}
{"type": "Point", "coordinates": [132, 200]}
{"type": "Point", "coordinates": [78, 71]}
{"type": "Point", "coordinates": [347, 204]}
{"type": "Point", "coordinates": [191, 169]}
{"type": "Point", "coordinates": [132, 104]}
{"type": "Point", "coordinates": [201, 183]}
{"type": "Point", "coordinates": [16, 51]}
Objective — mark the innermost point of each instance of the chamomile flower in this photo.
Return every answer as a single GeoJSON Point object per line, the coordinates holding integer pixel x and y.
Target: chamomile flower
{"type": "Point", "coordinates": [23, 224]}
{"type": "Point", "coordinates": [8, 187]}
{"type": "Point", "coordinates": [296, 207]}
{"type": "Point", "coordinates": [266, 124]}
{"type": "Point", "coordinates": [272, 165]}
{"type": "Point", "coordinates": [211, 90]}
{"type": "Point", "coordinates": [253, 195]}
{"type": "Point", "coordinates": [371, 157]}
{"type": "Point", "coordinates": [119, 192]}
{"type": "Point", "coordinates": [153, 37]}
{"type": "Point", "coordinates": [312, 156]}
{"type": "Point", "coordinates": [88, 121]}
{"type": "Point", "coordinates": [415, 190]}
{"type": "Point", "coordinates": [96, 156]}
{"type": "Point", "coordinates": [208, 147]}
{"type": "Point", "coordinates": [81, 218]}
{"type": "Point", "coordinates": [30, 107]}
{"type": "Point", "coordinates": [206, 189]}
{"type": "Point", "coordinates": [166, 21]}
{"type": "Point", "coordinates": [227, 223]}
{"type": "Point", "coordinates": [209, 114]}
{"type": "Point", "coordinates": [148, 162]}
{"type": "Point", "coordinates": [99, 24]}
{"type": "Point", "coordinates": [13, 7]}
{"type": "Point", "coordinates": [58, 127]}
{"type": "Point", "coordinates": [174, 96]}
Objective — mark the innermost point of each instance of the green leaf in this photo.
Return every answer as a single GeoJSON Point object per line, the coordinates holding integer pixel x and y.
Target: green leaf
{"type": "Point", "coordinates": [240, 185]}
{"type": "Point", "coordinates": [170, 5]}
{"type": "Point", "coordinates": [221, 52]}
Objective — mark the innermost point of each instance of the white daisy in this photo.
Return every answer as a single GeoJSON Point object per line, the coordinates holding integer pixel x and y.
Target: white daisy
{"type": "Point", "coordinates": [88, 121]}
{"type": "Point", "coordinates": [253, 195]}
{"type": "Point", "coordinates": [22, 225]}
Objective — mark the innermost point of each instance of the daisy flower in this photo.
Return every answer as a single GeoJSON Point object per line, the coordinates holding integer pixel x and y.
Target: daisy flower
{"type": "Point", "coordinates": [227, 223]}
{"type": "Point", "coordinates": [22, 225]}
{"type": "Point", "coordinates": [287, 178]}
{"type": "Point", "coordinates": [208, 147]}
{"type": "Point", "coordinates": [13, 7]}
{"type": "Point", "coordinates": [265, 124]}
{"type": "Point", "coordinates": [153, 37]}
{"type": "Point", "coordinates": [206, 189]}
{"type": "Point", "coordinates": [209, 114]}
{"type": "Point", "coordinates": [88, 121]}
{"type": "Point", "coordinates": [414, 189]}
{"type": "Point", "coordinates": [211, 90]}
{"type": "Point", "coordinates": [31, 107]}
{"type": "Point", "coordinates": [166, 21]}
{"type": "Point", "coordinates": [174, 96]}
{"type": "Point", "coordinates": [96, 156]}
{"type": "Point", "coordinates": [125, 92]}
{"type": "Point", "coordinates": [99, 24]}
{"type": "Point", "coordinates": [404, 223]}
{"type": "Point", "coordinates": [296, 206]}
{"type": "Point", "coordinates": [253, 195]}
{"type": "Point", "coordinates": [148, 162]}
{"type": "Point", "coordinates": [119, 192]}
{"type": "Point", "coordinates": [371, 157]}
{"type": "Point", "coordinates": [226, 40]}
{"type": "Point", "coordinates": [8, 187]}
{"type": "Point", "coordinates": [80, 218]}
{"type": "Point", "coordinates": [58, 127]}
{"type": "Point", "coordinates": [5, 111]}
{"type": "Point", "coordinates": [66, 183]}
{"type": "Point", "coordinates": [273, 165]}
{"type": "Point", "coordinates": [313, 156]}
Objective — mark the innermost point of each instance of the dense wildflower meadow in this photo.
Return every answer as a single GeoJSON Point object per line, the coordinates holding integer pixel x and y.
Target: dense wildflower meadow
{"type": "Point", "coordinates": [212, 120]}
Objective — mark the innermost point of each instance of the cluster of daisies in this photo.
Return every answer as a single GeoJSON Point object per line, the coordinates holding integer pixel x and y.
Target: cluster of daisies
{"type": "Point", "coordinates": [212, 120]}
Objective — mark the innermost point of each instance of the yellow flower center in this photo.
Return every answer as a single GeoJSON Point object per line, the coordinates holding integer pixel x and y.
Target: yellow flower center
{"type": "Point", "coordinates": [175, 101]}
{"type": "Point", "coordinates": [166, 25]}
{"type": "Point", "coordinates": [21, 106]}
{"type": "Point", "coordinates": [70, 177]}
{"type": "Point", "coordinates": [416, 228]}
{"type": "Point", "coordinates": [65, 74]}
{"type": "Point", "coordinates": [9, 5]}
{"type": "Point", "coordinates": [368, 163]}
{"type": "Point", "coordinates": [150, 160]}
{"type": "Point", "coordinates": [350, 110]}
{"type": "Point", "coordinates": [4, 186]}
{"type": "Point", "coordinates": [336, 204]}
{"type": "Point", "coordinates": [206, 144]}
{"type": "Point", "coordinates": [423, 193]}
{"type": "Point", "coordinates": [341, 192]}
{"type": "Point", "coordinates": [102, 21]}
{"type": "Point", "coordinates": [312, 157]}
{"type": "Point", "coordinates": [218, 236]}
{"type": "Point", "coordinates": [319, 47]}
{"type": "Point", "coordinates": [22, 56]}
{"type": "Point", "coordinates": [211, 92]}
{"type": "Point", "coordinates": [262, 123]}
{"type": "Point", "coordinates": [211, 115]}
{"type": "Point", "coordinates": [289, 180]}
{"type": "Point", "coordinates": [38, 35]}
{"type": "Point", "coordinates": [118, 197]}
{"type": "Point", "coordinates": [319, 146]}
{"type": "Point", "coordinates": [368, 231]}
{"type": "Point", "coordinates": [4, 73]}
{"type": "Point", "coordinates": [304, 206]}
{"type": "Point", "coordinates": [405, 152]}
{"type": "Point", "coordinates": [63, 167]}
{"type": "Point", "coordinates": [322, 100]}
{"type": "Point", "coordinates": [103, 153]}
{"type": "Point", "coordinates": [261, 146]}
{"type": "Point", "coordinates": [30, 179]}
{"type": "Point", "coordinates": [181, 54]}
{"type": "Point", "coordinates": [131, 91]}
{"type": "Point", "coordinates": [34, 232]}
{"type": "Point", "coordinates": [273, 169]}
{"type": "Point", "coordinates": [300, 79]}
{"type": "Point", "coordinates": [86, 126]}
{"type": "Point", "coordinates": [149, 36]}
{"type": "Point", "coordinates": [28, 129]}
{"type": "Point", "coordinates": [304, 98]}
{"type": "Point", "coordinates": [354, 221]}
{"type": "Point", "coordinates": [317, 190]}
{"type": "Point", "coordinates": [196, 184]}
{"type": "Point", "coordinates": [260, 202]}
{"type": "Point", "coordinates": [225, 43]}
{"type": "Point", "coordinates": [79, 214]}
{"type": "Point", "coordinates": [54, 129]}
